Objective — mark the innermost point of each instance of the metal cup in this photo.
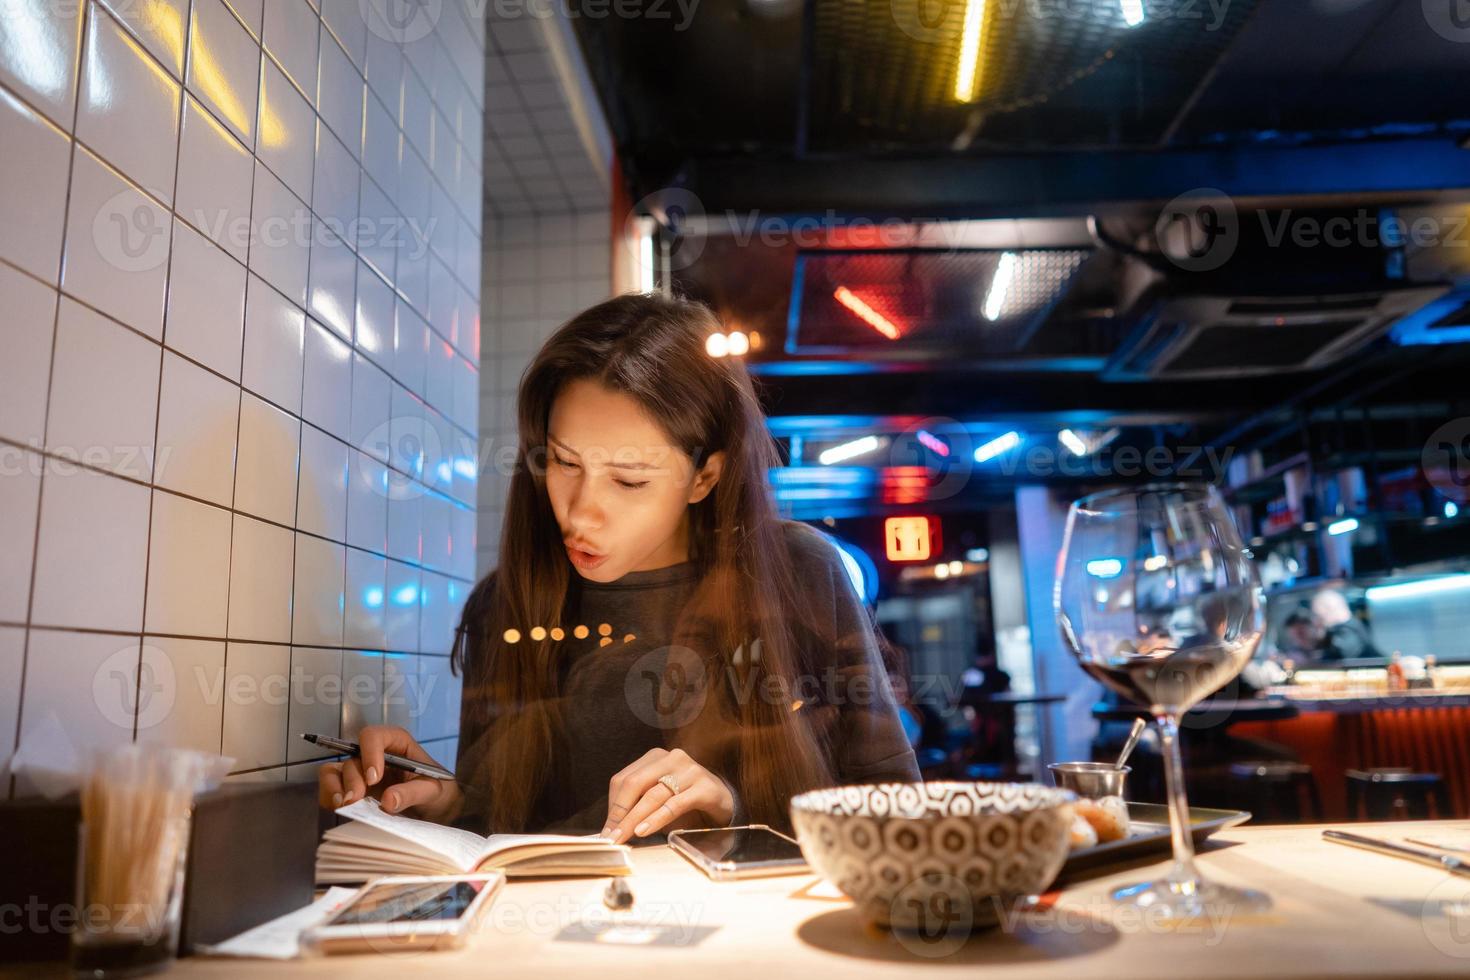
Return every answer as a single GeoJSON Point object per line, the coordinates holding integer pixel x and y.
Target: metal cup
{"type": "Point", "coordinates": [1089, 780]}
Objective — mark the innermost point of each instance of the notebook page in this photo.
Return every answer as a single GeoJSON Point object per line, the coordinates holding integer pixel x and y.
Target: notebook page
{"type": "Point", "coordinates": [499, 843]}
{"type": "Point", "coordinates": [359, 837]}
{"type": "Point", "coordinates": [462, 848]}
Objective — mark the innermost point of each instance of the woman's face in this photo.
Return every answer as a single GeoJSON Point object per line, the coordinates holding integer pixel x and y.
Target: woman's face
{"type": "Point", "coordinates": [619, 487]}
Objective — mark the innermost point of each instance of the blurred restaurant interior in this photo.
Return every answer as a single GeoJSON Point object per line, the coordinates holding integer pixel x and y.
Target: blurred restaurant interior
{"type": "Point", "coordinates": [981, 258]}
{"type": "Point", "coordinates": [1206, 251]}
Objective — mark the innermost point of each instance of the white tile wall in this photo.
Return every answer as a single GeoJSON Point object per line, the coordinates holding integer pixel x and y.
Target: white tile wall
{"type": "Point", "coordinates": [94, 354]}
{"type": "Point", "coordinates": [265, 474]}
{"type": "Point", "coordinates": [20, 491]}
{"type": "Point", "coordinates": [197, 336]}
{"type": "Point", "coordinates": [274, 335]}
{"type": "Point", "coordinates": [261, 579]}
{"type": "Point", "coordinates": [569, 254]}
{"type": "Point", "coordinates": [117, 245]}
{"type": "Point", "coordinates": [198, 419]}
{"type": "Point", "coordinates": [188, 567]}
{"type": "Point", "coordinates": [206, 303]}
{"type": "Point", "coordinates": [24, 371]}
{"type": "Point", "coordinates": [194, 719]}
{"type": "Point", "coordinates": [215, 174]}
{"type": "Point", "coordinates": [548, 241]}
{"type": "Point", "coordinates": [128, 108]}
{"type": "Point", "coordinates": [257, 675]}
{"type": "Point", "coordinates": [33, 199]}
{"type": "Point", "coordinates": [12, 653]}
{"type": "Point", "coordinates": [104, 665]}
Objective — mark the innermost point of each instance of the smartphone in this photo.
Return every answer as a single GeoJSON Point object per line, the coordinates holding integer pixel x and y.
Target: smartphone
{"type": "Point", "coordinates": [755, 851]}
{"type": "Point", "coordinates": [406, 913]}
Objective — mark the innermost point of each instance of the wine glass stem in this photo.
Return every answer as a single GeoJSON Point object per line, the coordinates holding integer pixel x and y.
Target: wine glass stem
{"type": "Point", "coordinates": [1183, 876]}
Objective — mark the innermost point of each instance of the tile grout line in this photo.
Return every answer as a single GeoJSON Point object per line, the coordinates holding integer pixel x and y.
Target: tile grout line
{"type": "Point", "coordinates": [25, 652]}
{"type": "Point", "coordinates": [448, 268]}
{"type": "Point", "coordinates": [168, 292]}
{"type": "Point", "coordinates": [226, 378]}
{"type": "Point", "coordinates": [300, 438]}
{"type": "Point", "coordinates": [166, 635]}
{"type": "Point", "coordinates": [110, 318]}
{"type": "Point", "coordinates": [440, 571]}
{"type": "Point", "coordinates": [239, 392]}
{"type": "Point", "coordinates": [185, 93]}
{"type": "Point", "coordinates": [183, 89]}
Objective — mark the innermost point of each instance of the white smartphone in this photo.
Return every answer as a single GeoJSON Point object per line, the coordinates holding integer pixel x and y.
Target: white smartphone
{"type": "Point", "coordinates": [406, 913]}
{"type": "Point", "coordinates": [754, 851]}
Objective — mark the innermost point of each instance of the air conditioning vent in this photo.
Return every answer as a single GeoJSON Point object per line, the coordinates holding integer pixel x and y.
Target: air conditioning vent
{"type": "Point", "coordinates": [1223, 336]}
{"type": "Point", "coordinates": [1254, 347]}
{"type": "Point", "coordinates": [1288, 305]}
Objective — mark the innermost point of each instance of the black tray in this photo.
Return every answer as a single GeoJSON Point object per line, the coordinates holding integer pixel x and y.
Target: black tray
{"type": "Point", "coordinates": [1149, 834]}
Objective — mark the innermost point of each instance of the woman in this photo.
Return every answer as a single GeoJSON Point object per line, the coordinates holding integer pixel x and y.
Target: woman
{"type": "Point", "coordinates": [657, 648]}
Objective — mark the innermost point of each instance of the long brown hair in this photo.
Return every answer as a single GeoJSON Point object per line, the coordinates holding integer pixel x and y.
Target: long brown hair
{"type": "Point", "coordinates": [651, 348]}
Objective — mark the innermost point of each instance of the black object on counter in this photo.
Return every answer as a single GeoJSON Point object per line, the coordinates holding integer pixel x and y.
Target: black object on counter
{"type": "Point", "coordinates": [618, 896]}
{"type": "Point", "coordinates": [39, 883]}
{"type": "Point", "coordinates": [252, 857]}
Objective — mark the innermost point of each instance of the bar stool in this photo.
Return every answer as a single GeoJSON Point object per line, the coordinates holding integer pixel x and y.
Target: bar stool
{"type": "Point", "coordinates": [1386, 791]}
{"type": "Point", "coordinates": [1276, 791]}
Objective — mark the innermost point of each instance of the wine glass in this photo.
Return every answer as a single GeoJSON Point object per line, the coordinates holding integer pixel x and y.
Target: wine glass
{"type": "Point", "coordinates": [1159, 600]}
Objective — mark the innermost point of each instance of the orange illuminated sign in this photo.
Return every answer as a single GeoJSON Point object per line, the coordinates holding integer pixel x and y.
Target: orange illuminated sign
{"type": "Point", "coordinates": [909, 538]}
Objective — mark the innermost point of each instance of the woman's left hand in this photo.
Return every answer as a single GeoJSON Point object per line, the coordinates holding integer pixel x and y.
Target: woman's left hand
{"type": "Point", "coordinates": [638, 804]}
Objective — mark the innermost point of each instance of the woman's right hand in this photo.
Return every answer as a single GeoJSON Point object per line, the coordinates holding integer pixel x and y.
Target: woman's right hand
{"type": "Point", "coordinates": [340, 783]}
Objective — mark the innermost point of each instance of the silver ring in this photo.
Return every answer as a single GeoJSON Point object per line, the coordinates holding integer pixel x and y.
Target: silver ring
{"type": "Point", "coordinates": [671, 781]}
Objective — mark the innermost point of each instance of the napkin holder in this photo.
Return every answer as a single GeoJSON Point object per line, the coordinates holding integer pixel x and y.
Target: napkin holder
{"type": "Point", "coordinates": [252, 857]}
{"type": "Point", "coordinates": [38, 886]}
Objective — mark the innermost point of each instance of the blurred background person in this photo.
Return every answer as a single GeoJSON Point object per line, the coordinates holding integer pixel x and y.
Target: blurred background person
{"type": "Point", "coordinates": [1344, 636]}
{"type": "Point", "coordinates": [1301, 634]}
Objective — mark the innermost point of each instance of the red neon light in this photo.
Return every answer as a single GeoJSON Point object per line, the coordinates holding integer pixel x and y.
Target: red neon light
{"type": "Point", "coordinates": [866, 313]}
{"type": "Point", "coordinates": [905, 484]}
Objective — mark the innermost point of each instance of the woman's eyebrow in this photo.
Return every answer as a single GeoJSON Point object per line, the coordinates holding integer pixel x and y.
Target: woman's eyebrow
{"type": "Point", "coordinates": [615, 466]}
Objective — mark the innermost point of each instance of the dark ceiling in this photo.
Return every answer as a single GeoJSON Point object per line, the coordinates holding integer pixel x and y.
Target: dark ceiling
{"type": "Point", "coordinates": [781, 83]}
{"type": "Point", "coordinates": [760, 114]}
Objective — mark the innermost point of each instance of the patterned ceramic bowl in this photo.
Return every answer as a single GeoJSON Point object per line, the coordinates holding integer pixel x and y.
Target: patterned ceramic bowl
{"type": "Point", "coordinates": [905, 852]}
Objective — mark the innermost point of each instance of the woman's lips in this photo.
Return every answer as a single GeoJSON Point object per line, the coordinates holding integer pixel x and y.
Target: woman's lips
{"type": "Point", "coordinates": [584, 559]}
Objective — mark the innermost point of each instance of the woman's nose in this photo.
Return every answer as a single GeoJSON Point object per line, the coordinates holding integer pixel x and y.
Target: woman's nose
{"type": "Point", "coordinates": [585, 510]}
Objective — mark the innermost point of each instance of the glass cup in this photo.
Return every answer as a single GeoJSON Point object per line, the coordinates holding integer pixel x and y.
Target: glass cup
{"type": "Point", "coordinates": [1158, 599]}
{"type": "Point", "coordinates": [136, 806]}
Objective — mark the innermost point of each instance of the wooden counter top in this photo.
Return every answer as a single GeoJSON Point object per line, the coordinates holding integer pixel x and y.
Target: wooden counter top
{"type": "Point", "coordinates": [1339, 912]}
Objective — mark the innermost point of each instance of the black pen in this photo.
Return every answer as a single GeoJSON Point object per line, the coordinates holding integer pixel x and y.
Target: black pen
{"type": "Point", "coordinates": [397, 761]}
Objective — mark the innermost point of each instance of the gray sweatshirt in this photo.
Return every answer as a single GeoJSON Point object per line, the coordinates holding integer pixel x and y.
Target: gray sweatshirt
{"type": "Point", "coordinates": [614, 709]}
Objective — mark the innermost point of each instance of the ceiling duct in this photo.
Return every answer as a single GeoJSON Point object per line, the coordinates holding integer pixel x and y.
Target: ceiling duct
{"type": "Point", "coordinates": [1243, 336]}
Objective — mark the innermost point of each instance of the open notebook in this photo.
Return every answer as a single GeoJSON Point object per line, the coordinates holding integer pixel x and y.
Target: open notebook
{"type": "Point", "coordinates": [374, 843]}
